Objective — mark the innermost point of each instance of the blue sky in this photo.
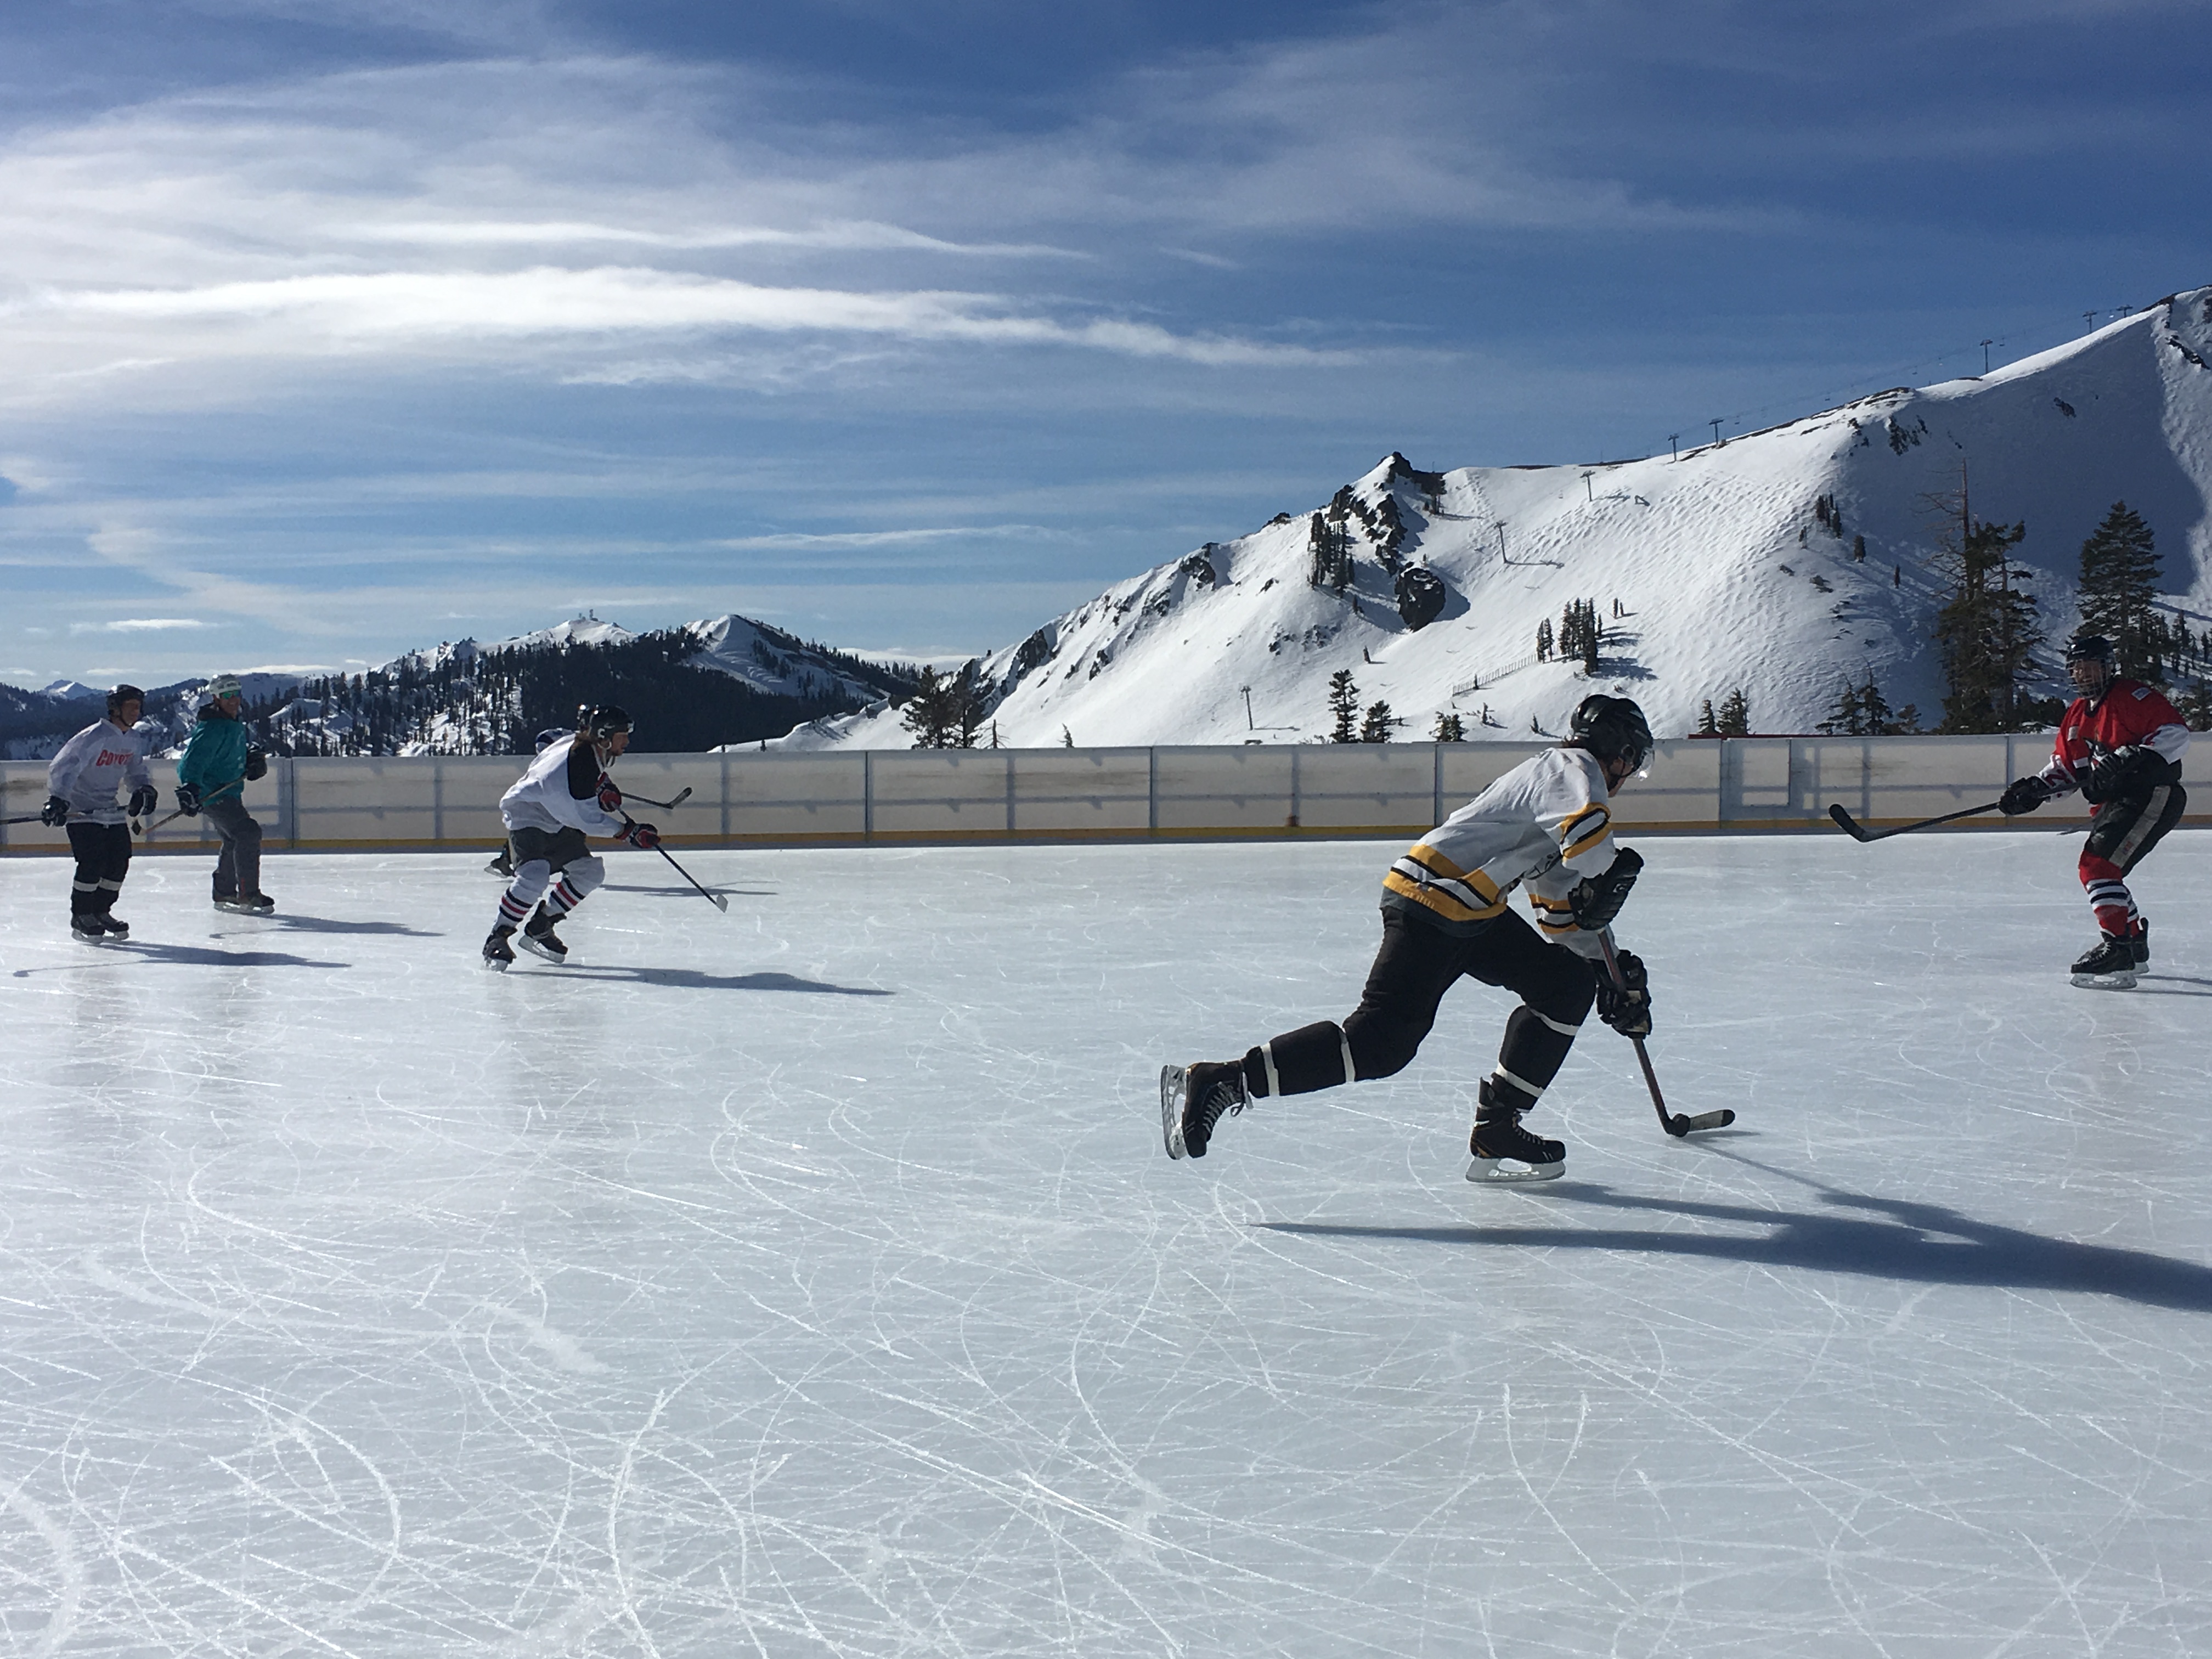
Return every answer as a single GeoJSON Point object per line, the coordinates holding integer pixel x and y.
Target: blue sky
{"type": "Point", "coordinates": [330, 328]}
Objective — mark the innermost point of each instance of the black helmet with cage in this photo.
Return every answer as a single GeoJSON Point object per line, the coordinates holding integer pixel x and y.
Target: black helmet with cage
{"type": "Point", "coordinates": [2093, 651]}
{"type": "Point", "coordinates": [124, 694]}
{"type": "Point", "coordinates": [1613, 729]}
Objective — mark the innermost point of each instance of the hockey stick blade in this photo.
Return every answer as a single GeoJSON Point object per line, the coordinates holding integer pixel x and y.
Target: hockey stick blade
{"type": "Point", "coordinates": [682, 795]}
{"type": "Point", "coordinates": [1719, 1119]}
{"type": "Point", "coordinates": [1847, 824]}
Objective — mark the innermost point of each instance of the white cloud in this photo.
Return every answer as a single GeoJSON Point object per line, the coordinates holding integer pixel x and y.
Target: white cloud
{"type": "Point", "coordinates": [137, 625]}
{"type": "Point", "coordinates": [349, 310]}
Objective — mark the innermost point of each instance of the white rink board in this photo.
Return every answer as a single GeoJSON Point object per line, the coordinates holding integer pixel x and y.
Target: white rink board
{"type": "Point", "coordinates": [810, 1280]}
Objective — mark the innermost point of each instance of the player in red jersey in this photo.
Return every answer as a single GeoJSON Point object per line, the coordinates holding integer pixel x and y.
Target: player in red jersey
{"type": "Point", "coordinates": [2120, 743]}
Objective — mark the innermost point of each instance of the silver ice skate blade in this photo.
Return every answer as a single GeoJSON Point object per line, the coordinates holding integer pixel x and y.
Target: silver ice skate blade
{"type": "Point", "coordinates": [2124, 981]}
{"type": "Point", "coordinates": [1172, 1078]}
{"type": "Point", "coordinates": [496, 965]}
{"type": "Point", "coordinates": [1506, 1171]}
{"type": "Point", "coordinates": [538, 950]}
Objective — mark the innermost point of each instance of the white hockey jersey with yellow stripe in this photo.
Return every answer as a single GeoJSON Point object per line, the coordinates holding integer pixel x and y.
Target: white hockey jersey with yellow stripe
{"type": "Point", "coordinates": [1544, 823]}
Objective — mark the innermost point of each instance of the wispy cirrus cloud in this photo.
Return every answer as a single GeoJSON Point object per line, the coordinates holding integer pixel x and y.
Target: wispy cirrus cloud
{"type": "Point", "coordinates": [548, 299]}
{"type": "Point", "coordinates": [138, 625]}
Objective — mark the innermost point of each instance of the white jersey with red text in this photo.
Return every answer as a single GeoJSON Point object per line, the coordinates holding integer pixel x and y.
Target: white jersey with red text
{"type": "Point", "coordinates": [93, 765]}
{"type": "Point", "coordinates": [1545, 823]}
{"type": "Point", "coordinates": [561, 790]}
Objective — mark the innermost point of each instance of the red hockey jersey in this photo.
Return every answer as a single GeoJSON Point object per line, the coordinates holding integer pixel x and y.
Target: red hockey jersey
{"type": "Point", "coordinates": [2130, 712]}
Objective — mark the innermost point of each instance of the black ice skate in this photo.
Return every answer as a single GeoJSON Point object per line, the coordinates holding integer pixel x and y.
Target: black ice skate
{"type": "Point", "coordinates": [246, 905]}
{"type": "Point", "coordinates": [1193, 1099]}
{"type": "Point", "coordinates": [498, 954]}
{"type": "Point", "coordinates": [114, 927]}
{"type": "Point", "coordinates": [2110, 967]}
{"type": "Point", "coordinates": [540, 939]}
{"type": "Point", "coordinates": [87, 926]}
{"type": "Point", "coordinates": [503, 864]}
{"type": "Point", "coordinates": [1502, 1149]}
{"type": "Point", "coordinates": [2142, 943]}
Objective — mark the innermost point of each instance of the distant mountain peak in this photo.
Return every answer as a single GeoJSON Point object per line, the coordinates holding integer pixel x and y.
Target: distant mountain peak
{"type": "Point", "coordinates": [1786, 563]}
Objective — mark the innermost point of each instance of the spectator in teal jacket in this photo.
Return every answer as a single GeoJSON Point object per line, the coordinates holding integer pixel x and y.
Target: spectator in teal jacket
{"type": "Point", "coordinates": [219, 759]}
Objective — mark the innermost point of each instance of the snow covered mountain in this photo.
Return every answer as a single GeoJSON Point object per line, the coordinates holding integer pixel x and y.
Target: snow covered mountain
{"type": "Point", "coordinates": [1786, 563]}
{"type": "Point", "coordinates": [725, 679]}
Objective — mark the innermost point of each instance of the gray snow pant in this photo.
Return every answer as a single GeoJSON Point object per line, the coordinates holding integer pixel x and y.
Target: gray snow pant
{"type": "Point", "coordinates": [238, 866]}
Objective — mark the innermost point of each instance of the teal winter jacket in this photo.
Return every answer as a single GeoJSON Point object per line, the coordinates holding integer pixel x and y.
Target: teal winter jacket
{"type": "Point", "coordinates": [213, 761]}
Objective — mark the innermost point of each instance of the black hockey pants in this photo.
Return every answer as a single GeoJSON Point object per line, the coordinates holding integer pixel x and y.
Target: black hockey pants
{"type": "Point", "coordinates": [1416, 964]}
{"type": "Point", "coordinates": [103, 859]}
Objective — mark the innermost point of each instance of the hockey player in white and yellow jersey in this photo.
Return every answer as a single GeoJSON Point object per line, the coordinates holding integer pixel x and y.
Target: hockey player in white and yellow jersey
{"type": "Point", "coordinates": [1545, 827]}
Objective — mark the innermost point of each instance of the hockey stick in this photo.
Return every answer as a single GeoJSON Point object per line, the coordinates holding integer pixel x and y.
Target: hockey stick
{"type": "Point", "coordinates": [682, 795]}
{"type": "Point", "coordinates": [1675, 1123]}
{"type": "Point", "coordinates": [1851, 827]}
{"type": "Point", "coordinates": [197, 810]}
{"type": "Point", "coordinates": [714, 899]}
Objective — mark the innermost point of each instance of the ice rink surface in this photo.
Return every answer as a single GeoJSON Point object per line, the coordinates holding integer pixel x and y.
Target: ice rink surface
{"type": "Point", "coordinates": [810, 1280]}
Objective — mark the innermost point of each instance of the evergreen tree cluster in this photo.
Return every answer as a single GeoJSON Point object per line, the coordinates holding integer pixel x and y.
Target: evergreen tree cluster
{"type": "Point", "coordinates": [1986, 629]}
{"type": "Point", "coordinates": [1828, 515]}
{"type": "Point", "coordinates": [1581, 633]}
{"type": "Point", "coordinates": [1733, 719]}
{"type": "Point", "coordinates": [1861, 711]}
{"type": "Point", "coordinates": [947, 710]}
{"type": "Point", "coordinates": [471, 701]}
{"type": "Point", "coordinates": [1328, 552]}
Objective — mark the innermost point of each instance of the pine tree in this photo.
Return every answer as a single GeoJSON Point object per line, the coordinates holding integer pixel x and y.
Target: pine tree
{"type": "Point", "coordinates": [2119, 580]}
{"type": "Point", "coordinates": [1846, 719]}
{"type": "Point", "coordinates": [1985, 629]}
{"type": "Point", "coordinates": [1343, 707]}
{"type": "Point", "coordinates": [1544, 641]}
{"type": "Point", "coordinates": [1734, 717]}
{"type": "Point", "coordinates": [1707, 727]}
{"type": "Point", "coordinates": [932, 713]}
{"type": "Point", "coordinates": [1450, 729]}
{"type": "Point", "coordinates": [1375, 728]}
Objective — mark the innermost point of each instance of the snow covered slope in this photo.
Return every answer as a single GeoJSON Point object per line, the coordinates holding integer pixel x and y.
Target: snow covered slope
{"type": "Point", "coordinates": [1724, 575]}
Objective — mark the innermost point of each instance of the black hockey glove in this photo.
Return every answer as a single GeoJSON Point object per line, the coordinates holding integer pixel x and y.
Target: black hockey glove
{"type": "Point", "coordinates": [1596, 900]}
{"type": "Point", "coordinates": [1627, 1006]}
{"type": "Point", "coordinates": [144, 799]}
{"type": "Point", "coordinates": [55, 811]}
{"type": "Point", "coordinates": [256, 765]}
{"type": "Point", "coordinates": [2023, 795]}
{"type": "Point", "coordinates": [188, 800]}
{"type": "Point", "coordinates": [2125, 771]}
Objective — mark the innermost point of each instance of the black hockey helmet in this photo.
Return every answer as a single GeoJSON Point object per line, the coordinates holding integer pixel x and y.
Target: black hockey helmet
{"type": "Point", "coordinates": [1613, 728]}
{"type": "Point", "coordinates": [124, 694]}
{"type": "Point", "coordinates": [2086, 647]}
{"type": "Point", "coordinates": [605, 721]}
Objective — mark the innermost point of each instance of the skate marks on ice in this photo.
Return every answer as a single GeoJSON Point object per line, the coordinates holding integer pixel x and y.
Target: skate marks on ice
{"type": "Point", "coordinates": [1922, 1243]}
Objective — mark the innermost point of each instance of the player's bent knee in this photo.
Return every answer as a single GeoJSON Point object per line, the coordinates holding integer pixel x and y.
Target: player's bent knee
{"type": "Point", "coordinates": [585, 874]}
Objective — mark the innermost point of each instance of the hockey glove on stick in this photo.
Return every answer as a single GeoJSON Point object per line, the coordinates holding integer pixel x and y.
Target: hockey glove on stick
{"type": "Point", "coordinates": [610, 798]}
{"type": "Point", "coordinates": [256, 765]}
{"type": "Point", "coordinates": [145, 801]}
{"type": "Point", "coordinates": [56, 811]}
{"type": "Point", "coordinates": [643, 834]}
{"type": "Point", "coordinates": [1596, 900]}
{"type": "Point", "coordinates": [2023, 795]}
{"type": "Point", "coordinates": [1626, 1004]}
{"type": "Point", "coordinates": [188, 800]}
